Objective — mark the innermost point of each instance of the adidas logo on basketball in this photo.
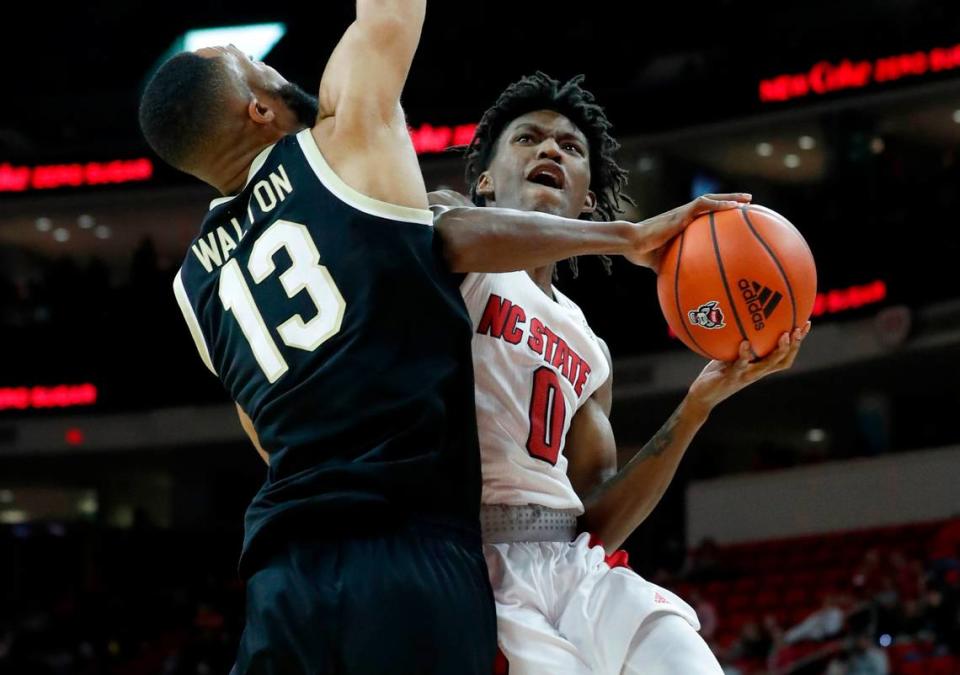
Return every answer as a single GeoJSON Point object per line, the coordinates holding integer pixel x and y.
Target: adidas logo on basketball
{"type": "Point", "coordinates": [761, 301]}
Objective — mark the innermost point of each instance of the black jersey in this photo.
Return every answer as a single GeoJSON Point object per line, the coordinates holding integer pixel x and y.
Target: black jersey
{"type": "Point", "coordinates": [332, 320]}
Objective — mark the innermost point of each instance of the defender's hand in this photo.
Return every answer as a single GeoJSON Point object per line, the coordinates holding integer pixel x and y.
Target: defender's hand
{"type": "Point", "coordinates": [653, 234]}
{"type": "Point", "coordinates": [720, 379]}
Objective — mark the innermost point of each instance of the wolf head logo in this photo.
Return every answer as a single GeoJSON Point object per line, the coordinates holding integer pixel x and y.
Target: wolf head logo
{"type": "Point", "coordinates": [708, 315]}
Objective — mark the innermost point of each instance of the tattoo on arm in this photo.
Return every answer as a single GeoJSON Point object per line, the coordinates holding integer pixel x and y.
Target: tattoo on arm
{"type": "Point", "coordinates": [661, 440]}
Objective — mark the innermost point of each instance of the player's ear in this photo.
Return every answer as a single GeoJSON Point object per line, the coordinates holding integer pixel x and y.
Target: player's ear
{"type": "Point", "coordinates": [485, 186]}
{"type": "Point", "coordinates": [590, 203]}
{"type": "Point", "coordinates": [260, 112]}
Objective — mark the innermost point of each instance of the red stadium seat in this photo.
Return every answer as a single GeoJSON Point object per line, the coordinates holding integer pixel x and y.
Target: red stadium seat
{"type": "Point", "coordinates": [739, 602]}
{"type": "Point", "coordinates": [796, 597]}
{"type": "Point", "coordinates": [775, 580]}
{"type": "Point", "coordinates": [946, 664]}
{"type": "Point", "coordinates": [913, 668]}
{"type": "Point", "coordinates": [805, 579]}
{"type": "Point", "coordinates": [767, 600]}
{"type": "Point", "coordinates": [734, 622]}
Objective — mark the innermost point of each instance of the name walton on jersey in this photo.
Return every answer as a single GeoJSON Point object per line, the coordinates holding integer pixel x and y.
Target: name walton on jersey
{"type": "Point", "coordinates": [214, 249]}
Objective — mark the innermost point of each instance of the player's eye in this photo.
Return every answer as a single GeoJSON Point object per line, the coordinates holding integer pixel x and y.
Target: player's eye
{"type": "Point", "coordinates": [522, 138]}
{"type": "Point", "coordinates": [573, 147]}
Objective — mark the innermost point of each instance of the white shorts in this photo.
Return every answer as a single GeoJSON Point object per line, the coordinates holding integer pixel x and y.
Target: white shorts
{"type": "Point", "coordinates": [562, 609]}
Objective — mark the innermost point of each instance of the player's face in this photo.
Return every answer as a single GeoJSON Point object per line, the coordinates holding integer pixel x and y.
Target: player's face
{"type": "Point", "coordinates": [294, 108]}
{"type": "Point", "coordinates": [541, 163]}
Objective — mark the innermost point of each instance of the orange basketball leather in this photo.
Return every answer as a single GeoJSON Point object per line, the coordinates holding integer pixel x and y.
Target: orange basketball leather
{"type": "Point", "coordinates": [742, 274]}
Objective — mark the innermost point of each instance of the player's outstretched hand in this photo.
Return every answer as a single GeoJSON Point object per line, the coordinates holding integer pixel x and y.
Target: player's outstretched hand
{"type": "Point", "coordinates": [721, 379]}
{"type": "Point", "coordinates": [655, 233]}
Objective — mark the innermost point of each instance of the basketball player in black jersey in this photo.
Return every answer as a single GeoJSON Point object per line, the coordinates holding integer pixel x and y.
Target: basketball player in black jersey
{"type": "Point", "coordinates": [314, 291]}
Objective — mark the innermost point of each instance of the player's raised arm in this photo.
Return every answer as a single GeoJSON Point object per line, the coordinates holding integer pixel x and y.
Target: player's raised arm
{"type": "Point", "coordinates": [367, 70]}
{"type": "Point", "coordinates": [616, 502]}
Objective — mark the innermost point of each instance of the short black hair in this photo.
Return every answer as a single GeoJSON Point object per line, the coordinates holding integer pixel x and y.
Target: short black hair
{"type": "Point", "coordinates": [179, 107]}
{"type": "Point", "coordinates": [541, 92]}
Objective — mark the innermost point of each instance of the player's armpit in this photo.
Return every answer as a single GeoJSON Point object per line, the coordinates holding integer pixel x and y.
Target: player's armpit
{"type": "Point", "coordinates": [247, 425]}
{"type": "Point", "coordinates": [366, 73]}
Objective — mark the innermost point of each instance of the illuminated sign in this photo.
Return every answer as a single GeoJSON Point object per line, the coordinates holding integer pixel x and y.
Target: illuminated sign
{"type": "Point", "coordinates": [826, 77]}
{"type": "Point", "coordinates": [73, 436]}
{"type": "Point", "coordinates": [845, 299]}
{"type": "Point", "coordinates": [59, 396]}
{"type": "Point", "coordinates": [51, 176]}
{"type": "Point", "coordinates": [428, 138]}
{"type": "Point", "coordinates": [254, 39]}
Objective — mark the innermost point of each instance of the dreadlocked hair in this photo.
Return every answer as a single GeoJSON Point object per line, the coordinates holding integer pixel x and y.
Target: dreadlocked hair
{"type": "Point", "coordinates": [541, 92]}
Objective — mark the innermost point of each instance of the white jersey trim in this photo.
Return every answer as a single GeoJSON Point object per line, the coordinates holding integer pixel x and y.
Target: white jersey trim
{"type": "Point", "coordinates": [349, 195]}
{"type": "Point", "coordinates": [181, 294]}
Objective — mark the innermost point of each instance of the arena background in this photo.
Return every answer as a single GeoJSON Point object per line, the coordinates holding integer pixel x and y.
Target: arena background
{"type": "Point", "coordinates": [828, 492]}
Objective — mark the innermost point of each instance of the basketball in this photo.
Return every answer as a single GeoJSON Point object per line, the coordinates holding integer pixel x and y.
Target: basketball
{"type": "Point", "coordinates": [742, 274]}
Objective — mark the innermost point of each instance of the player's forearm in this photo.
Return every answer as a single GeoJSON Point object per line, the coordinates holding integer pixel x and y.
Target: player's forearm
{"type": "Point", "coordinates": [406, 15]}
{"type": "Point", "coordinates": [504, 240]}
{"type": "Point", "coordinates": [618, 506]}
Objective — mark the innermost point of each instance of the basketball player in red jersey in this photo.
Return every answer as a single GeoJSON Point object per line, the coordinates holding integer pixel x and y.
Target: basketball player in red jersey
{"type": "Point", "coordinates": [544, 395]}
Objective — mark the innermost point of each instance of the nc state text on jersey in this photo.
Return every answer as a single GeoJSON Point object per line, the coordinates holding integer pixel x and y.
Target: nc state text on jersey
{"type": "Point", "coordinates": [504, 320]}
{"type": "Point", "coordinates": [214, 249]}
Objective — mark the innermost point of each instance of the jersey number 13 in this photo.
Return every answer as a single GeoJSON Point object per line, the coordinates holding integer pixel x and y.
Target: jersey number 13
{"type": "Point", "coordinates": [305, 273]}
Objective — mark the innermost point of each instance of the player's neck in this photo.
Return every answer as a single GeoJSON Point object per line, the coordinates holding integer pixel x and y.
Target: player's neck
{"type": "Point", "coordinates": [230, 170]}
{"type": "Point", "coordinates": [543, 278]}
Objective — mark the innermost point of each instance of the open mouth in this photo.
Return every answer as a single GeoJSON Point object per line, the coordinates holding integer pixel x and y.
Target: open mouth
{"type": "Point", "coordinates": [549, 175]}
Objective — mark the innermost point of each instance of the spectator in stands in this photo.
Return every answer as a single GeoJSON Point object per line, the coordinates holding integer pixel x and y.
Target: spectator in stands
{"type": "Point", "coordinates": [773, 628]}
{"type": "Point", "coordinates": [754, 643]}
{"type": "Point", "coordinates": [706, 613]}
{"type": "Point", "coordinates": [907, 575]}
{"type": "Point", "coordinates": [823, 623]}
{"type": "Point", "coordinates": [943, 610]}
{"type": "Point", "coordinates": [863, 658]}
{"type": "Point", "coordinates": [705, 564]}
{"type": "Point", "coordinates": [866, 578]}
{"type": "Point", "coordinates": [886, 600]}
{"type": "Point", "coordinates": [944, 548]}
{"type": "Point", "coordinates": [728, 667]}
{"type": "Point", "coordinates": [909, 624]}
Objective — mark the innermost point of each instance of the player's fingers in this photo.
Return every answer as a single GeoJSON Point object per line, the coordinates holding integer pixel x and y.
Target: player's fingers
{"type": "Point", "coordinates": [745, 355]}
{"type": "Point", "coordinates": [742, 197]}
{"type": "Point", "coordinates": [775, 359]}
{"type": "Point", "coordinates": [798, 336]}
{"type": "Point", "coordinates": [707, 203]}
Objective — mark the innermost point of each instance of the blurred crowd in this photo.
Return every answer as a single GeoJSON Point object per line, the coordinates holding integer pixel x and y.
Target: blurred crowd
{"type": "Point", "coordinates": [897, 613]}
{"type": "Point", "coordinates": [152, 601]}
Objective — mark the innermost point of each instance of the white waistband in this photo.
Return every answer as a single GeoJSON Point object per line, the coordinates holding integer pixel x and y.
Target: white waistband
{"type": "Point", "coordinates": [506, 524]}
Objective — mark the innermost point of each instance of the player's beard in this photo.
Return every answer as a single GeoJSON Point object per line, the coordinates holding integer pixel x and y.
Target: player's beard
{"type": "Point", "coordinates": [303, 105]}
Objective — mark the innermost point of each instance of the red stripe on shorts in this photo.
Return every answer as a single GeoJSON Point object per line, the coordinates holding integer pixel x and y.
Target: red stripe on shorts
{"type": "Point", "coordinates": [618, 558]}
{"type": "Point", "coordinates": [500, 664]}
